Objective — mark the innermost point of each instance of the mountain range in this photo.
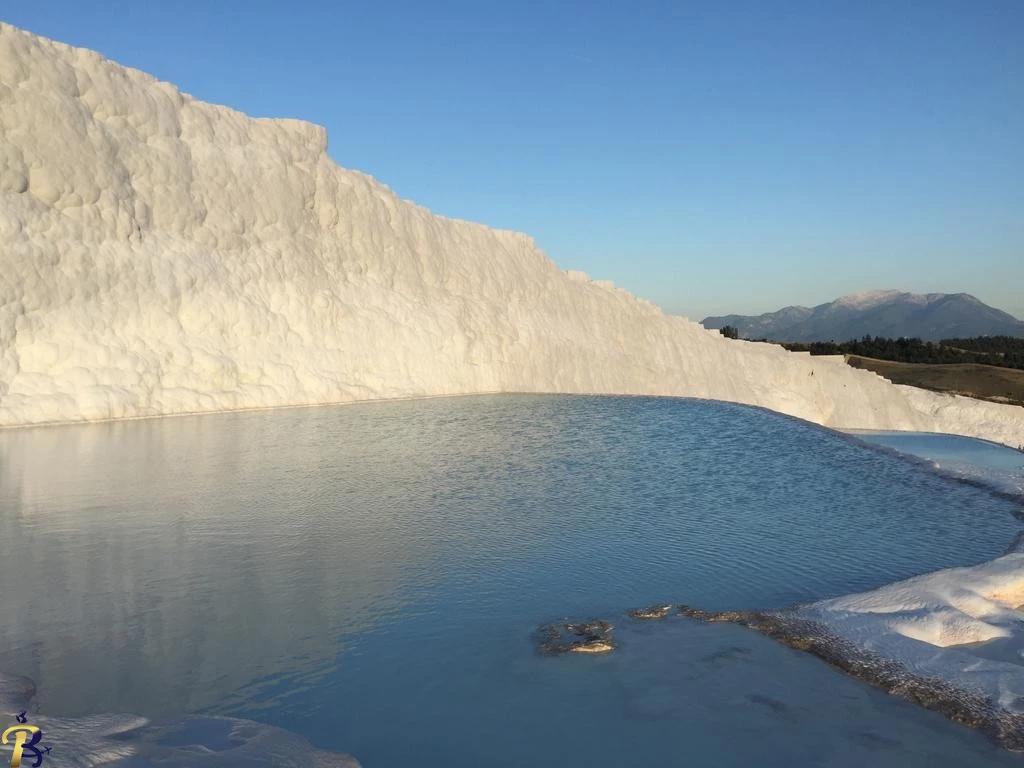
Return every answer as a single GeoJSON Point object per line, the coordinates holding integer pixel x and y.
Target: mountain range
{"type": "Point", "coordinates": [929, 316]}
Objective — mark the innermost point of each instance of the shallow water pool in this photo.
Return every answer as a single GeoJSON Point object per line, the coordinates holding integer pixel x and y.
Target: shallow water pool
{"type": "Point", "coordinates": [988, 464]}
{"type": "Point", "coordinates": [369, 576]}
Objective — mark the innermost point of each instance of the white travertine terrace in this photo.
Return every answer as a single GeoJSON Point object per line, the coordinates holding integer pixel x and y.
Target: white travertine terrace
{"type": "Point", "coordinates": [941, 626]}
{"type": "Point", "coordinates": [161, 255]}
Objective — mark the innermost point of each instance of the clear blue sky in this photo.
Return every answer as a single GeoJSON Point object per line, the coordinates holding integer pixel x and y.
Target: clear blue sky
{"type": "Point", "coordinates": [713, 156]}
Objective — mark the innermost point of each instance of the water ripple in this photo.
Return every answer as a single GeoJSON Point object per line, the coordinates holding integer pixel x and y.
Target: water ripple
{"type": "Point", "coordinates": [361, 571]}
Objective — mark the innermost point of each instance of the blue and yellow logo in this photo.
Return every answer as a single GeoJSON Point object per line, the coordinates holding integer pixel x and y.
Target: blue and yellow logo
{"type": "Point", "coordinates": [25, 738]}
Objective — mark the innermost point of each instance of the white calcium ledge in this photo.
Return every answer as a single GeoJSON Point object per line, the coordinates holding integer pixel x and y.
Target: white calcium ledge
{"type": "Point", "coordinates": [160, 255]}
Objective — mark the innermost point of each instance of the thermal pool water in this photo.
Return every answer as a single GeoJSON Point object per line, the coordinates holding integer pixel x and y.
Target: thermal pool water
{"type": "Point", "coordinates": [369, 577]}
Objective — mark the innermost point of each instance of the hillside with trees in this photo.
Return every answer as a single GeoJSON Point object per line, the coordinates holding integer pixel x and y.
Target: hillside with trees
{"type": "Point", "coordinates": [999, 351]}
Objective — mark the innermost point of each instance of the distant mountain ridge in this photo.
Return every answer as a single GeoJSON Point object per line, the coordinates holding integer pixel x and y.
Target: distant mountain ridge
{"type": "Point", "coordinates": [929, 316]}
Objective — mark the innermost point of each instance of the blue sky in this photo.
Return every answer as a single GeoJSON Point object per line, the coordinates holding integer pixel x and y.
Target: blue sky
{"type": "Point", "coordinates": [712, 157]}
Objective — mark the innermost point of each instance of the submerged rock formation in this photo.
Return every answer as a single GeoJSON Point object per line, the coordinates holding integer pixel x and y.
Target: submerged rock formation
{"type": "Point", "coordinates": [576, 637]}
{"type": "Point", "coordinates": [967, 699]}
{"type": "Point", "coordinates": [162, 255]}
{"type": "Point", "coordinates": [958, 682]}
{"type": "Point", "coordinates": [651, 612]}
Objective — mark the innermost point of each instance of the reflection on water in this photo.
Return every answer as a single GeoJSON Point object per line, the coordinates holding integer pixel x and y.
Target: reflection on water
{"type": "Point", "coordinates": [368, 576]}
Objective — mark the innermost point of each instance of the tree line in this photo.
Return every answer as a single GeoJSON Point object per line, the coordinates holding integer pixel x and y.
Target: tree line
{"type": "Point", "coordinates": [1000, 351]}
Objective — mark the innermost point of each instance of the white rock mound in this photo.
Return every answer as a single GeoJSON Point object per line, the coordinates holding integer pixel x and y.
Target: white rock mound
{"type": "Point", "coordinates": [960, 625]}
{"type": "Point", "coordinates": [161, 255]}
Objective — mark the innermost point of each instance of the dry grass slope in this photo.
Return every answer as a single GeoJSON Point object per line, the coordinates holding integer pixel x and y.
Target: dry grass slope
{"type": "Point", "coordinates": [985, 382]}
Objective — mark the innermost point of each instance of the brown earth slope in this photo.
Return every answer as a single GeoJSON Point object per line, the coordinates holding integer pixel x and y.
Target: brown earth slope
{"type": "Point", "coordinates": [985, 382]}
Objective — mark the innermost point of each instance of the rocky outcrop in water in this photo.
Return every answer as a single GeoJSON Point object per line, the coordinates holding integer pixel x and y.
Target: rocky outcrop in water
{"type": "Point", "coordinates": [651, 612]}
{"type": "Point", "coordinates": [787, 627]}
{"type": "Point", "coordinates": [576, 637]}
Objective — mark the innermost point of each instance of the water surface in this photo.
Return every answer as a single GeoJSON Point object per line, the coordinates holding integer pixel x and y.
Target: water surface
{"type": "Point", "coordinates": [369, 576]}
{"type": "Point", "coordinates": [981, 461]}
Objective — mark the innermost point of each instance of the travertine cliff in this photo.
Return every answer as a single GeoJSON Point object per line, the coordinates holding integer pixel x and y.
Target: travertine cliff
{"type": "Point", "coordinates": [161, 255]}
